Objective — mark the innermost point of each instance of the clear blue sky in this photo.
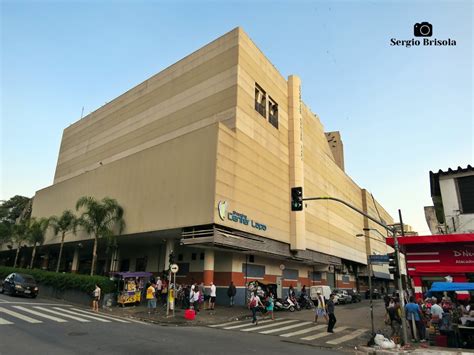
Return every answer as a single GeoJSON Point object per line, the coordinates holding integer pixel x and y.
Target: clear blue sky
{"type": "Point", "coordinates": [401, 111]}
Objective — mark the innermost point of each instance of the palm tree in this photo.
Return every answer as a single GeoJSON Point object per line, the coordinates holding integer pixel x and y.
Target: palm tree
{"type": "Point", "coordinates": [100, 218]}
{"type": "Point", "coordinates": [19, 236]}
{"type": "Point", "coordinates": [35, 234]}
{"type": "Point", "coordinates": [66, 222]}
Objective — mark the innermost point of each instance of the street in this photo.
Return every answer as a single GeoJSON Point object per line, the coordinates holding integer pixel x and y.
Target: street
{"type": "Point", "coordinates": [50, 327]}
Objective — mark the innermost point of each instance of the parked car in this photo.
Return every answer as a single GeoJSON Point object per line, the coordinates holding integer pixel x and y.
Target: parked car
{"type": "Point", "coordinates": [19, 284]}
{"type": "Point", "coordinates": [356, 296]}
{"type": "Point", "coordinates": [342, 296]}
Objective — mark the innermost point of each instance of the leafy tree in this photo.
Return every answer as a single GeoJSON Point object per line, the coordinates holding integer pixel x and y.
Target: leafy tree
{"type": "Point", "coordinates": [35, 234]}
{"type": "Point", "coordinates": [63, 224]}
{"type": "Point", "coordinates": [12, 209]}
{"type": "Point", "coordinates": [101, 219]}
{"type": "Point", "coordinates": [19, 237]}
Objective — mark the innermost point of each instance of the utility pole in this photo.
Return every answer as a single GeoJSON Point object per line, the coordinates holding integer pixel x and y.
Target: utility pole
{"type": "Point", "coordinates": [393, 230]}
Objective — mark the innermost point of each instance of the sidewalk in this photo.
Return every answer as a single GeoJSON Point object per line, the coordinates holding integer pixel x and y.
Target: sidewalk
{"type": "Point", "coordinates": [221, 314]}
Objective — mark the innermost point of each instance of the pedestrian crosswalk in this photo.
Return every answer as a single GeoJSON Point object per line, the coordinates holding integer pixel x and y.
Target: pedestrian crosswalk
{"type": "Point", "coordinates": [62, 314]}
{"type": "Point", "coordinates": [294, 329]}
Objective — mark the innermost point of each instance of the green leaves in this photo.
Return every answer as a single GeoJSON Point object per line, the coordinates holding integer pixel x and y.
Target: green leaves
{"type": "Point", "coordinates": [84, 283]}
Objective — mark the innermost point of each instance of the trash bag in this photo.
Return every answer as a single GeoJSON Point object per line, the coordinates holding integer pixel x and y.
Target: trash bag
{"type": "Point", "coordinates": [383, 342]}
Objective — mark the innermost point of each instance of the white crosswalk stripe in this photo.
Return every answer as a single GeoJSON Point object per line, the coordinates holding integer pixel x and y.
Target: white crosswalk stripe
{"type": "Point", "coordinates": [255, 328]}
{"type": "Point", "coordinates": [82, 315]}
{"type": "Point", "coordinates": [347, 337]}
{"type": "Point", "coordinates": [100, 315]}
{"type": "Point", "coordinates": [4, 321]}
{"type": "Point", "coordinates": [19, 316]}
{"type": "Point", "coordinates": [304, 331]}
{"type": "Point", "coordinates": [62, 314]}
{"type": "Point", "coordinates": [324, 334]}
{"type": "Point", "coordinates": [271, 331]}
{"type": "Point", "coordinates": [247, 324]}
{"type": "Point", "coordinates": [31, 311]}
{"type": "Point", "coordinates": [228, 323]}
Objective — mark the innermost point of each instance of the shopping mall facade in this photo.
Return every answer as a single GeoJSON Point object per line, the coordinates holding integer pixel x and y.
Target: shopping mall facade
{"type": "Point", "coordinates": [202, 157]}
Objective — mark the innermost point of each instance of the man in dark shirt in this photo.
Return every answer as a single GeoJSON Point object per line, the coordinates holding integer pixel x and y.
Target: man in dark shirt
{"type": "Point", "coordinates": [332, 317]}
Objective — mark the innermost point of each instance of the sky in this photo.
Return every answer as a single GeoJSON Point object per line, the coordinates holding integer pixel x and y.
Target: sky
{"type": "Point", "coordinates": [402, 111]}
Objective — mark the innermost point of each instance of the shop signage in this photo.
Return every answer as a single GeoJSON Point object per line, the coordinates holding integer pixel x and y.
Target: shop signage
{"type": "Point", "coordinates": [379, 259]}
{"type": "Point", "coordinates": [237, 217]}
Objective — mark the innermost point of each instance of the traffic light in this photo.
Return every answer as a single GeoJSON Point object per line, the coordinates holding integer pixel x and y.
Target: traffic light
{"type": "Point", "coordinates": [393, 264]}
{"type": "Point", "coordinates": [297, 198]}
{"type": "Point", "coordinates": [171, 258]}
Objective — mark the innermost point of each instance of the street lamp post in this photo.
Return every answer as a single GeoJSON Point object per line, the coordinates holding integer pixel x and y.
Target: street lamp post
{"type": "Point", "coordinates": [396, 247]}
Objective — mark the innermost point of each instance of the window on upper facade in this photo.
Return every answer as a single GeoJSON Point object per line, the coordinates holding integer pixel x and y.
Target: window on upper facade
{"type": "Point", "coordinates": [273, 112]}
{"type": "Point", "coordinates": [466, 193]}
{"type": "Point", "coordinates": [260, 101]}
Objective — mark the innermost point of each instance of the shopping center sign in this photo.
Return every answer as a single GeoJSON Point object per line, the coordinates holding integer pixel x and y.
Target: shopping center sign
{"type": "Point", "coordinates": [237, 217]}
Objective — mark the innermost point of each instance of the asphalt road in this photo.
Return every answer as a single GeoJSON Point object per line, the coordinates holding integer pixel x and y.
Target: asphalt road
{"type": "Point", "coordinates": [45, 327]}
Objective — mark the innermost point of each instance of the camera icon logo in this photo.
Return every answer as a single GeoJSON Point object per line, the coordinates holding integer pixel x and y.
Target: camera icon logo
{"type": "Point", "coordinates": [424, 29]}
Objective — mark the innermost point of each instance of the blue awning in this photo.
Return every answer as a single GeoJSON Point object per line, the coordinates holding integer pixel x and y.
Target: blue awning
{"type": "Point", "coordinates": [452, 286]}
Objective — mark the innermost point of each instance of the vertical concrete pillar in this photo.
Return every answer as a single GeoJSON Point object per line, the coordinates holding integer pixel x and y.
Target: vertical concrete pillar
{"type": "Point", "coordinates": [295, 145]}
{"type": "Point", "coordinates": [208, 273]}
{"type": "Point", "coordinates": [75, 261]}
{"type": "Point", "coordinates": [114, 265]}
{"type": "Point", "coordinates": [169, 248]}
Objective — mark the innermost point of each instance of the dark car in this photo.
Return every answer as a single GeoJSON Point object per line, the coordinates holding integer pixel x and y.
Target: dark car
{"type": "Point", "coordinates": [19, 284]}
{"type": "Point", "coordinates": [356, 297]}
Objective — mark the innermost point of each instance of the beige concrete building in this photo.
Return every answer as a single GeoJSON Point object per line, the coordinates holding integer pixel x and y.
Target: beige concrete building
{"type": "Point", "coordinates": [202, 157]}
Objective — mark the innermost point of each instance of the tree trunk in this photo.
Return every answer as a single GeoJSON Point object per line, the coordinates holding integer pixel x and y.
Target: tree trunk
{"type": "Point", "coordinates": [33, 254]}
{"type": "Point", "coordinates": [94, 255]}
{"type": "Point", "coordinates": [16, 256]}
{"type": "Point", "coordinates": [60, 252]}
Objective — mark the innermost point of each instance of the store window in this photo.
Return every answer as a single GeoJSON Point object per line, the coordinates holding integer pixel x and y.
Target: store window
{"type": "Point", "coordinates": [345, 279]}
{"type": "Point", "coordinates": [251, 270]}
{"type": "Point", "coordinates": [290, 274]}
{"type": "Point", "coordinates": [260, 101]}
{"type": "Point", "coordinates": [315, 276]}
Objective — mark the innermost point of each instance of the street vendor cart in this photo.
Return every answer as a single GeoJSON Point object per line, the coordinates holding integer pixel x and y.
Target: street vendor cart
{"type": "Point", "coordinates": [130, 286]}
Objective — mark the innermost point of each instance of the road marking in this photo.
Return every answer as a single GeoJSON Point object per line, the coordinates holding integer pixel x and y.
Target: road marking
{"type": "Point", "coordinates": [101, 315]}
{"type": "Point", "coordinates": [4, 321]}
{"type": "Point", "coordinates": [284, 328]}
{"type": "Point", "coordinates": [59, 320]}
{"type": "Point", "coordinates": [229, 323]}
{"type": "Point", "coordinates": [82, 315]}
{"type": "Point", "coordinates": [325, 334]}
{"type": "Point", "coordinates": [307, 330]}
{"type": "Point", "coordinates": [347, 337]}
{"type": "Point", "coordinates": [62, 314]}
{"type": "Point", "coordinates": [248, 324]}
{"type": "Point", "coordinates": [268, 325]}
{"type": "Point", "coordinates": [19, 315]}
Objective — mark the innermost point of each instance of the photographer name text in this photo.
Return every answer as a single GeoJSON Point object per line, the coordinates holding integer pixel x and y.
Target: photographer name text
{"type": "Point", "coordinates": [422, 42]}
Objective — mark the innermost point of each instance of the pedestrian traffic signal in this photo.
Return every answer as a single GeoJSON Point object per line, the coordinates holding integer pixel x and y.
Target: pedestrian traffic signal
{"type": "Point", "coordinates": [393, 264]}
{"type": "Point", "coordinates": [171, 258]}
{"type": "Point", "coordinates": [297, 198]}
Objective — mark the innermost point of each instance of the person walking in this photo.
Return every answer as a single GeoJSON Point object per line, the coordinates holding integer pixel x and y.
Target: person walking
{"type": "Point", "coordinates": [213, 295]}
{"type": "Point", "coordinates": [96, 298]}
{"type": "Point", "coordinates": [320, 307]}
{"type": "Point", "coordinates": [231, 292]}
{"type": "Point", "coordinates": [330, 310]}
{"type": "Point", "coordinates": [393, 311]}
{"type": "Point", "coordinates": [269, 306]}
{"type": "Point", "coordinates": [150, 299]}
{"type": "Point", "coordinates": [253, 305]}
{"type": "Point", "coordinates": [159, 286]}
{"type": "Point", "coordinates": [413, 314]}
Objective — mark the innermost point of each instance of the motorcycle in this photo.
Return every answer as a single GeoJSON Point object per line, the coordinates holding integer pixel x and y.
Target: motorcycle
{"type": "Point", "coordinates": [286, 305]}
{"type": "Point", "coordinates": [306, 302]}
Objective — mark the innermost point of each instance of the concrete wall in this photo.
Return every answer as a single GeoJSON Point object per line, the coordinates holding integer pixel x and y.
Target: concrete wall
{"type": "Point", "coordinates": [460, 223]}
